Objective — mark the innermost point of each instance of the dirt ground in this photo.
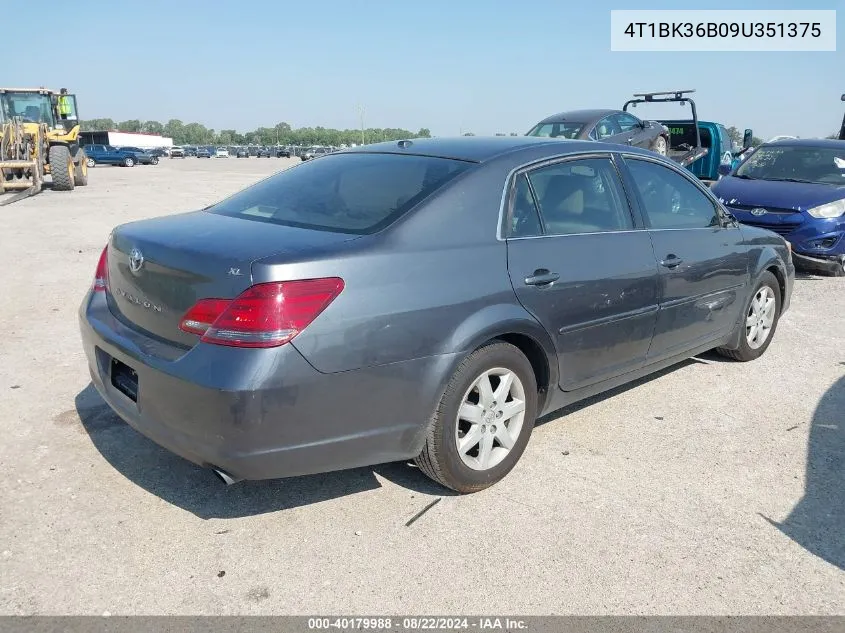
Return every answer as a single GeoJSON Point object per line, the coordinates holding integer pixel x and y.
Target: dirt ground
{"type": "Point", "coordinates": [712, 488]}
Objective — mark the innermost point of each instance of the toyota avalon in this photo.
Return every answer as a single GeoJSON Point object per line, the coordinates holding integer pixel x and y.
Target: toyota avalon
{"type": "Point", "coordinates": [423, 299]}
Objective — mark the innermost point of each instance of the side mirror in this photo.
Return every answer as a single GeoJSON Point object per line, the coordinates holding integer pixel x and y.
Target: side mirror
{"type": "Point", "coordinates": [843, 97]}
{"type": "Point", "coordinates": [724, 170]}
{"type": "Point", "coordinates": [747, 139]}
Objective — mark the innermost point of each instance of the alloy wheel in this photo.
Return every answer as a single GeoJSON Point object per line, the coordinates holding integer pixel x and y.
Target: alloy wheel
{"type": "Point", "coordinates": [490, 418]}
{"type": "Point", "coordinates": [761, 317]}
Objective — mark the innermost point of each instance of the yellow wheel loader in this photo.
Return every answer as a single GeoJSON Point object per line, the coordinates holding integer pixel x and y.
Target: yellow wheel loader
{"type": "Point", "coordinates": [39, 136]}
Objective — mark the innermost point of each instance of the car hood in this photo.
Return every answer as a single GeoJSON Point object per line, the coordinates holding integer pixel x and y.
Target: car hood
{"type": "Point", "coordinates": [766, 193]}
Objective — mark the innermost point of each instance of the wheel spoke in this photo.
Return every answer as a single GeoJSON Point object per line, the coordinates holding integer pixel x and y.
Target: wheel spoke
{"type": "Point", "coordinates": [752, 333]}
{"type": "Point", "coordinates": [504, 388]}
{"type": "Point", "coordinates": [485, 391]}
{"type": "Point", "coordinates": [469, 441]}
{"type": "Point", "coordinates": [470, 412]}
{"type": "Point", "coordinates": [512, 408]}
{"type": "Point", "coordinates": [503, 434]}
{"type": "Point", "coordinates": [751, 320]}
{"type": "Point", "coordinates": [485, 449]}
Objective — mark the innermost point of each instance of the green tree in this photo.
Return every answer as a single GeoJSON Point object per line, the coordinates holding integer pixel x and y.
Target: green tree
{"type": "Point", "coordinates": [97, 125]}
{"type": "Point", "coordinates": [175, 129]}
{"type": "Point", "coordinates": [132, 125]}
{"type": "Point", "coordinates": [152, 127]}
{"type": "Point", "coordinates": [424, 132]}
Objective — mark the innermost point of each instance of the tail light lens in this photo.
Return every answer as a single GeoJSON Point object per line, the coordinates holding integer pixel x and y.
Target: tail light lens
{"type": "Point", "coordinates": [264, 315]}
{"type": "Point", "coordinates": [101, 277]}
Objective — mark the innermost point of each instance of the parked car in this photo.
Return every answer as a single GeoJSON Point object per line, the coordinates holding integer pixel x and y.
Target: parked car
{"type": "Point", "coordinates": [191, 151]}
{"type": "Point", "coordinates": [203, 152]}
{"type": "Point", "coordinates": [243, 152]}
{"type": "Point", "coordinates": [159, 152]}
{"type": "Point", "coordinates": [314, 152]}
{"type": "Point", "coordinates": [795, 188]}
{"type": "Point", "coordinates": [282, 152]}
{"type": "Point", "coordinates": [265, 152]}
{"type": "Point", "coordinates": [109, 155]}
{"type": "Point", "coordinates": [177, 152]}
{"type": "Point", "coordinates": [221, 152]}
{"type": "Point", "coordinates": [610, 126]}
{"type": "Point", "coordinates": [142, 156]}
{"type": "Point", "coordinates": [314, 320]}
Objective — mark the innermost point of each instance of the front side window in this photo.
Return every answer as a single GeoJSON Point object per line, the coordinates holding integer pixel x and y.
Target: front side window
{"type": "Point", "coordinates": [669, 199]}
{"type": "Point", "coordinates": [580, 196]}
{"type": "Point", "coordinates": [347, 193]}
{"type": "Point", "coordinates": [626, 122]}
{"type": "Point", "coordinates": [607, 127]}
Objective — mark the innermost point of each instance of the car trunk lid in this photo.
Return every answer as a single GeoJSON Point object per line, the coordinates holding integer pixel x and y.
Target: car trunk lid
{"type": "Point", "coordinates": [158, 269]}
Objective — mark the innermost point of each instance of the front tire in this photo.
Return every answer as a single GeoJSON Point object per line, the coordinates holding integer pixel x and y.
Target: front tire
{"type": "Point", "coordinates": [128, 162]}
{"type": "Point", "coordinates": [483, 421]}
{"type": "Point", "coordinates": [61, 167]}
{"type": "Point", "coordinates": [759, 321]}
{"type": "Point", "coordinates": [154, 160]}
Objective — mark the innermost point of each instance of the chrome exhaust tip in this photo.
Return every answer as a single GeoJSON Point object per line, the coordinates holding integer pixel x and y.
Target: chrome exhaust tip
{"type": "Point", "coordinates": [225, 477]}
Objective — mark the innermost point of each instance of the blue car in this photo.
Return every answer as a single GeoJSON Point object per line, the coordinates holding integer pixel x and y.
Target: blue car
{"type": "Point", "coordinates": [109, 155]}
{"type": "Point", "coordinates": [795, 188]}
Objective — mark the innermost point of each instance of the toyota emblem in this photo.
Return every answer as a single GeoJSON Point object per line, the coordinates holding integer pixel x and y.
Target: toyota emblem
{"type": "Point", "coordinates": [758, 211]}
{"type": "Point", "coordinates": [136, 260]}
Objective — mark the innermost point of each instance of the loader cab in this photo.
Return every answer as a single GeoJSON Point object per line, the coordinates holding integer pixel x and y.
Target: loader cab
{"type": "Point", "coordinates": [29, 106]}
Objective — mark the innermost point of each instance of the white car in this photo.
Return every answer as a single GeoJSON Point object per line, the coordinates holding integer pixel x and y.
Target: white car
{"type": "Point", "coordinates": [222, 152]}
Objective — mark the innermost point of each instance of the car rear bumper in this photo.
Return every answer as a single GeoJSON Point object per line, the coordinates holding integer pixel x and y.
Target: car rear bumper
{"type": "Point", "coordinates": [260, 414]}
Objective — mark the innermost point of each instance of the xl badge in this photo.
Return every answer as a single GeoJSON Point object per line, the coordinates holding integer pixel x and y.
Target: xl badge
{"type": "Point", "coordinates": [758, 211]}
{"type": "Point", "coordinates": [136, 260]}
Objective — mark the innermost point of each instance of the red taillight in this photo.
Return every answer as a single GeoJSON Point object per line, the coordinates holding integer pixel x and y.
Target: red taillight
{"type": "Point", "coordinates": [101, 277]}
{"type": "Point", "coordinates": [264, 315]}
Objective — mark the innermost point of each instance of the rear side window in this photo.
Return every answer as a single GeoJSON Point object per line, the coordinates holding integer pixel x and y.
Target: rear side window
{"type": "Point", "coordinates": [346, 193]}
{"type": "Point", "coordinates": [580, 196]}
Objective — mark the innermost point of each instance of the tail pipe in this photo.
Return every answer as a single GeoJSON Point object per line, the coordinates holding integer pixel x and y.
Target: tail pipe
{"type": "Point", "coordinates": [225, 477]}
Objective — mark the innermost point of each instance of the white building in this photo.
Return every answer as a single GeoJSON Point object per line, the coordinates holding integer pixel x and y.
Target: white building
{"type": "Point", "coordinates": [126, 139]}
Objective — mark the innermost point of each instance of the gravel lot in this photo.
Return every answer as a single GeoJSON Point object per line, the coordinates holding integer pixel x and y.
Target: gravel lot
{"type": "Point", "coordinates": [713, 488]}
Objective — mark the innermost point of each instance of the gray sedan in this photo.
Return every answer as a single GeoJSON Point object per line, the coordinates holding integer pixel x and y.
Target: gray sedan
{"type": "Point", "coordinates": [610, 126]}
{"type": "Point", "coordinates": [424, 300]}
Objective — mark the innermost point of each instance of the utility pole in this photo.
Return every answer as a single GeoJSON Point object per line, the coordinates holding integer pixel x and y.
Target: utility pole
{"type": "Point", "coordinates": [361, 114]}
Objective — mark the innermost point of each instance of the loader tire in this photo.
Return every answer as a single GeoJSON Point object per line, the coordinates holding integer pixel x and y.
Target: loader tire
{"type": "Point", "coordinates": [80, 169]}
{"type": "Point", "coordinates": [61, 168]}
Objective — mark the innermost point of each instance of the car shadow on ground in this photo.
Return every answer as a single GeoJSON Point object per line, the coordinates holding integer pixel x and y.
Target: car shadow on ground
{"type": "Point", "coordinates": [817, 522]}
{"type": "Point", "coordinates": [201, 493]}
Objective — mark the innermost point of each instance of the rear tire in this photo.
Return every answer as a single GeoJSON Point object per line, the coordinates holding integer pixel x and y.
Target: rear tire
{"type": "Point", "coordinates": [759, 321]}
{"type": "Point", "coordinates": [154, 160]}
{"type": "Point", "coordinates": [490, 403]}
{"type": "Point", "coordinates": [128, 162]}
{"type": "Point", "coordinates": [91, 162]}
{"type": "Point", "coordinates": [61, 168]}
{"type": "Point", "coordinates": [80, 169]}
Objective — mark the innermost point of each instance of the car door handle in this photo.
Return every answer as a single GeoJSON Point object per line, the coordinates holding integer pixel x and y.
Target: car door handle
{"type": "Point", "coordinates": [541, 277]}
{"type": "Point", "coordinates": [672, 261]}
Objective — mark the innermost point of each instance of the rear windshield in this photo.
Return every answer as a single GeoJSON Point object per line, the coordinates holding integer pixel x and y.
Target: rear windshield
{"type": "Point", "coordinates": [346, 193]}
{"type": "Point", "coordinates": [567, 129]}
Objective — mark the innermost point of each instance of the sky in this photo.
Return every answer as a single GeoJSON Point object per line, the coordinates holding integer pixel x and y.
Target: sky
{"type": "Point", "coordinates": [452, 66]}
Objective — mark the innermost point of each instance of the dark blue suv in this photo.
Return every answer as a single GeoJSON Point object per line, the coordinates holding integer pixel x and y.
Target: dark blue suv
{"type": "Point", "coordinates": [795, 188]}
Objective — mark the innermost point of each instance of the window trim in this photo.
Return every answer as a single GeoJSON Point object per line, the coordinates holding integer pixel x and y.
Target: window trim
{"type": "Point", "coordinates": [724, 218]}
{"type": "Point", "coordinates": [509, 192]}
{"type": "Point", "coordinates": [609, 117]}
{"type": "Point", "coordinates": [637, 121]}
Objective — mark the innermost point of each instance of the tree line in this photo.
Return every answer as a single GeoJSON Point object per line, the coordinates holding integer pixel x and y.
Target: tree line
{"type": "Point", "coordinates": [280, 134]}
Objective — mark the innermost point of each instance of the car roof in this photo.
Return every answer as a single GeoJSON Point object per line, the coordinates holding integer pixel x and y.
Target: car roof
{"type": "Point", "coordinates": [809, 142]}
{"type": "Point", "coordinates": [480, 149]}
{"type": "Point", "coordinates": [579, 116]}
